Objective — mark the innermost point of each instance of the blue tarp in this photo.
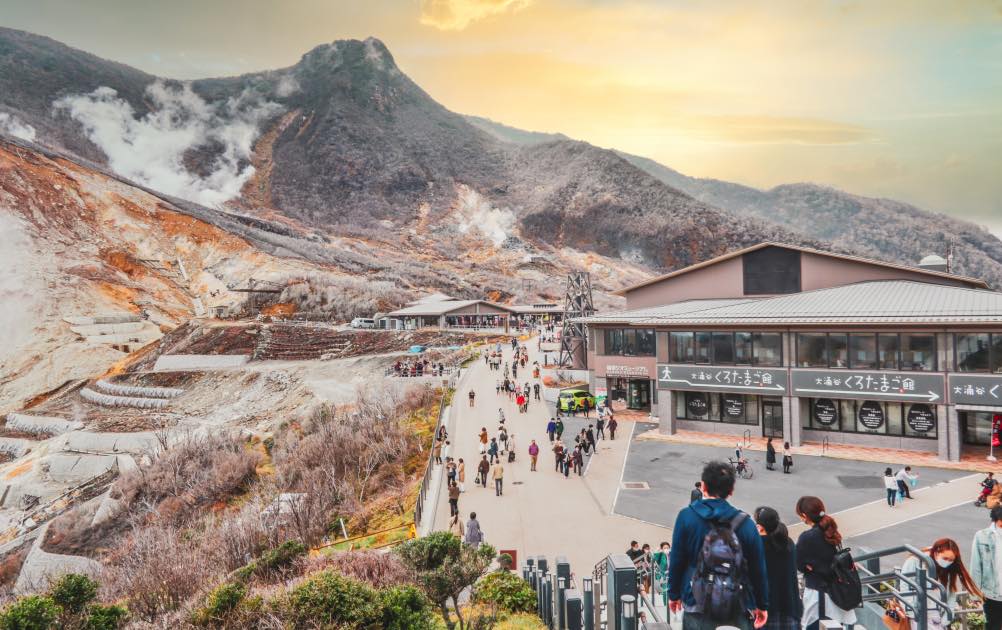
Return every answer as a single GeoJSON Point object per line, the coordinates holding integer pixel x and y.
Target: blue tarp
{"type": "Point", "coordinates": [417, 349]}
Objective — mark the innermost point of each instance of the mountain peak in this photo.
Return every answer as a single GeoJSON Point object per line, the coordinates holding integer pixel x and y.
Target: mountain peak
{"type": "Point", "coordinates": [370, 52]}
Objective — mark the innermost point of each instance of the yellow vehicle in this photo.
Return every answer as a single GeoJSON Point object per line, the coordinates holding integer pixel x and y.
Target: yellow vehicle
{"type": "Point", "coordinates": [571, 399]}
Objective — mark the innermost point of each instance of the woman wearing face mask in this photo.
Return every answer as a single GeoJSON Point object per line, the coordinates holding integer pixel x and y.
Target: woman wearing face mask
{"type": "Point", "coordinates": [950, 572]}
{"type": "Point", "coordinates": [815, 552]}
{"type": "Point", "coordinates": [785, 608]}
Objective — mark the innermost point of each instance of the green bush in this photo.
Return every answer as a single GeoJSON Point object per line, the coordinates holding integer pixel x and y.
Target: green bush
{"type": "Point", "coordinates": [282, 556]}
{"type": "Point", "coordinates": [73, 592]}
{"type": "Point", "coordinates": [220, 603]}
{"type": "Point", "coordinates": [405, 608]}
{"type": "Point", "coordinates": [101, 617]}
{"type": "Point", "coordinates": [329, 599]}
{"type": "Point", "coordinates": [35, 612]}
{"type": "Point", "coordinates": [506, 591]}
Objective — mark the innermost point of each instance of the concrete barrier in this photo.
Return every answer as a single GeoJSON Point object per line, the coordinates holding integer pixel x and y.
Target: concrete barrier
{"type": "Point", "coordinates": [41, 425]}
{"type": "Point", "coordinates": [107, 400]}
{"type": "Point", "coordinates": [117, 389]}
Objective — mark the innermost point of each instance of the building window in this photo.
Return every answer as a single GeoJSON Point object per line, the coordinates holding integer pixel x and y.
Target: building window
{"type": "Point", "coordinates": [702, 347]}
{"type": "Point", "coordinates": [629, 342]}
{"type": "Point", "coordinates": [974, 352]}
{"type": "Point", "coordinates": [614, 341]}
{"type": "Point", "coordinates": [645, 345]}
{"type": "Point", "coordinates": [723, 348]}
{"type": "Point", "coordinates": [997, 353]}
{"type": "Point", "coordinates": [863, 352]}
{"type": "Point", "coordinates": [888, 349]}
{"type": "Point", "coordinates": [743, 348]}
{"type": "Point", "coordinates": [872, 417]}
{"type": "Point", "coordinates": [812, 350]}
{"type": "Point", "coordinates": [682, 347]}
{"type": "Point", "coordinates": [838, 350]}
{"type": "Point", "coordinates": [771, 271]}
{"type": "Point", "coordinates": [767, 349]}
{"type": "Point", "coordinates": [918, 352]}
{"type": "Point", "coordinates": [714, 407]}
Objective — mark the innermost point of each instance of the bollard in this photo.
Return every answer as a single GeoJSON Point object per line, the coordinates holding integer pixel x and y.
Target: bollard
{"type": "Point", "coordinates": [548, 601]}
{"type": "Point", "coordinates": [563, 570]}
{"type": "Point", "coordinates": [560, 618]}
{"type": "Point", "coordinates": [540, 594]}
{"type": "Point", "coordinates": [543, 565]}
{"type": "Point", "coordinates": [588, 604]}
{"type": "Point", "coordinates": [629, 619]}
{"type": "Point", "coordinates": [573, 611]}
{"type": "Point", "coordinates": [622, 580]}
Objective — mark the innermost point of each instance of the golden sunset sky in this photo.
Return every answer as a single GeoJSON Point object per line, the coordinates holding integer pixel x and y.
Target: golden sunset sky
{"type": "Point", "coordinates": [895, 98]}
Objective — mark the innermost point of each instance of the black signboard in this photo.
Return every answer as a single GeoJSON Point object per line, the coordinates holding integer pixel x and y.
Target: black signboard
{"type": "Point", "coordinates": [697, 404]}
{"type": "Point", "coordinates": [825, 412]}
{"type": "Point", "coordinates": [713, 378]}
{"type": "Point", "coordinates": [734, 406]}
{"type": "Point", "coordinates": [976, 389]}
{"type": "Point", "coordinates": [901, 386]}
{"type": "Point", "coordinates": [921, 418]}
{"type": "Point", "coordinates": [871, 414]}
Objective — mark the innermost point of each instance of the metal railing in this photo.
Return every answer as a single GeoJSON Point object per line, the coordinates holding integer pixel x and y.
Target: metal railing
{"type": "Point", "coordinates": [915, 591]}
{"type": "Point", "coordinates": [825, 445]}
{"type": "Point", "coordinates": [746, 439]}
{"type": "Point", "coordinates": [430, 466]}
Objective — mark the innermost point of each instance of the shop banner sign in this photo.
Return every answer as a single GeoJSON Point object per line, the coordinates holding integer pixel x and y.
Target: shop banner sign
{"type": "Point", "coordinates": [735, 380]}
{"type": "Point", "coordinates": [734, 406]}
{"type": "Point", "coordinates": [825, 412]}
{"type": "Point", "coordinates": [904, 387]}
{"type": "Point", "coordinates": [627, 371]}
{"type": "Point", "coordinates": [975, 389]}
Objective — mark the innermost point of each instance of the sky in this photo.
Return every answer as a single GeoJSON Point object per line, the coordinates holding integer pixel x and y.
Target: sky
{"type": "Point", "coordinates": [891, 98]}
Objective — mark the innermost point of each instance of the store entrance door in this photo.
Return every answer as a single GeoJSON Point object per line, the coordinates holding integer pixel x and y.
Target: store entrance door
{"type": "Point", "coordinates": [772, 419]}
{"type": "Point", "coordinates": [638, 394]}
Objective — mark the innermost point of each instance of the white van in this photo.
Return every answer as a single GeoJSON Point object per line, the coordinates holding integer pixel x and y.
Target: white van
{"type": "Point", "coordinates": [363, 322]}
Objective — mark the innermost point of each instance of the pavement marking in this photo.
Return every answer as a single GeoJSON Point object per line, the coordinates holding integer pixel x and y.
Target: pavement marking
{"type": "Point", "coordinates": [918, 516]}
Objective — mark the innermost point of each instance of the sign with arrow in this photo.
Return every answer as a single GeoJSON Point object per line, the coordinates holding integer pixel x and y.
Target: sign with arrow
{"type": "Point", "coordinates": [718, 378]}
{"type": "Point", "coordinates": [976, 389]}
{"type": "Point", "coordinates": [900, 386]}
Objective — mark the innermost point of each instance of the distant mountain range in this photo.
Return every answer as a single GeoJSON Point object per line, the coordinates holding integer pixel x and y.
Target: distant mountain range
{"type": "Point", "coordinates": [344, 142]}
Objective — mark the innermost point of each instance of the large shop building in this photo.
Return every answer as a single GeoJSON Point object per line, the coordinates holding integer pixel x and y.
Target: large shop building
{"type": "Point", "coordinates": [805, 345]}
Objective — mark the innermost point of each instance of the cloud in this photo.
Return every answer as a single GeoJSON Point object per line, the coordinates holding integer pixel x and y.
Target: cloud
{"type": "Point", "coordinates": [455, 15]}
{"type": "Point", "coordinates": [152, 149]}
{"type": "Point", "coordinates": [13, 126]}
{"type": "Point", "coordinates": [778, 130]}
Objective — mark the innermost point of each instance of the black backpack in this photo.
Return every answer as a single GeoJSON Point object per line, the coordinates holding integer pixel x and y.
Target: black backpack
{"type": "Point", "coordinates": [721, 577]}
{"type": "Point", "coordinates": [844, 586]}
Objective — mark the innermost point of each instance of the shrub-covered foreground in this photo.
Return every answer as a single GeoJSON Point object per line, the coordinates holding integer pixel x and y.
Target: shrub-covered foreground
{"type": "Point", "coordinates": [69, 604]}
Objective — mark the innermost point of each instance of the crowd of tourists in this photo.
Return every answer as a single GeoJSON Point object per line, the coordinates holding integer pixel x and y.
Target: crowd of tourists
{"type": "Point", "coordinates": [418, 367]}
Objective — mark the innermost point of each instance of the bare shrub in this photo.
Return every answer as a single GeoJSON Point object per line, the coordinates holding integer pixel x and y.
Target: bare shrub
{"type": "Point", "coordinates": [375, 569]}
{"type": "Point", "coordinates": [342, 298]}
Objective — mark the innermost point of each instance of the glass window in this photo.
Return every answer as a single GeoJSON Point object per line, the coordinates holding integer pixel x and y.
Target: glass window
{"type": "Point", "coordinates": [738, 408]}
{"type": "Point", "coordinates": [863, 352]}
{"type": "Point", "coordinates": [838, 350]}
{"type": "Point", "coordinates": [972, 352]}
{"type": "Point", "coordinates": [662, 347]}
{"type": "Point", "coordinates": [768, 349]}
{"type": "Point", "coordinates": [894, 418]}
{"type": "Point", "coordinates": [702, 347]}
{"type": "Point", "coordinates": [645, 343]}
{"type": "Point", "coordinates": [723, 348]}
{"type": "Point", "coordinates": [629, 342]}
{"type": "Point", "coordinates": [614, 341]}
{"type": "Point", "coordinates": [812, 350]}
{"type": "Point", "coordinates": [918, 352]}
{"type": "Point", "coordinates": [888, 346]}
{"type": "Point", "coordinates": [996, 354]}
{"type": "Point", "coordinates": [697, 407]}
{"type": "Point", "coordinates": [743, 348]}
{"type": "Point", "coordinates": [682, 347]}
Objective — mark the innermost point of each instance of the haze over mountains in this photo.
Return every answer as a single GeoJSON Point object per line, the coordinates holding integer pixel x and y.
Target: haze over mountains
{"type": "Point", "coordinates": [343, 142]}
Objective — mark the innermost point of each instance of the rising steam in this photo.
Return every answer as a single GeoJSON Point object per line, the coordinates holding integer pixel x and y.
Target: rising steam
{"type": "Point", "coordinates": [14, 127]}
{"type": "Point", "coordinates": [151, 149]}
{"type": "Point", "coordinates": [477, 213]}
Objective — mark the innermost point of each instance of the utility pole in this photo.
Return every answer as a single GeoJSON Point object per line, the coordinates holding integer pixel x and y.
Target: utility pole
{"type": "Point", "coordinates": [574, 335]}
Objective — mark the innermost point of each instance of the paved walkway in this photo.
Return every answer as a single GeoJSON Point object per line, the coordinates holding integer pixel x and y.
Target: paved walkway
{"type": "Point", "coordinates": [540, 513]}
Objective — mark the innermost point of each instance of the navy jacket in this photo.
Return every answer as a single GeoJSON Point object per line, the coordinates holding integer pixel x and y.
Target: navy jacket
{"type": "Point", "coordinates": [691, 527]}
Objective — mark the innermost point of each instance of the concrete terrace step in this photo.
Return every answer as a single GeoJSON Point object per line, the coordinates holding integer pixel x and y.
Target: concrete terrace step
{"type": "Point", "coordinates": [107, 318]}
{"type": "Point", "coordinates": [15, 447]}
{"type": "Point", "coordinates": [136, 390]}
{"type": "Point", "coordinates": [41, 425]}
{"type": "Point", "coordinates": [108, 400]}
{"type": "Point", "coordinates": [94, 330]}
{"type": "Point", "coordinates": [184, 362]}
{"type": "Point", "coordinates": [86, 442]}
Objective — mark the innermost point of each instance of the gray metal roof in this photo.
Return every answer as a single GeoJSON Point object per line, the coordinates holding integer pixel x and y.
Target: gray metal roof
{"type": "Point", "coordinates": [656, 313]}
{"type": "Point", "coordinates": [874, 302]}
{"type": "Point", "coordinates": [440, 308]}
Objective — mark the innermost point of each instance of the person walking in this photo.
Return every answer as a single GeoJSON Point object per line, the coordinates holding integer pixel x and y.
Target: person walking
{"type": "Point", "coordinates": [497, 474]}
{"type": "Point", "coordinates": [696, 494]}
{"type": "Point", "coordinates": [612, 428]}
{"type": "Point", "coordinates": [560, 427]}
{"type": "Point", "coordinates": [461, 475]}
{"type": "Point", "coordinates": [558, 454]}
{"type": "Point", "coordinates": [533, 454]}
{"type": "Point", "coordinates": [660, 565]}
{"type": "Point", "coordinates": [590, 437]}
{"type": "Point", "coordinates": [453, 499]}
{"type": "Point", "coordinates": [787, 458]}
{"type": "Point", "coordinates": [733, 540]}
{"type": "Point", "coordinates": [568, 463]}
{"type": "Point", "coordinates": [473, 396]}
{"type": "Point", "coordinates": [890, 486]}
{"type": "Point", "coordinates": [535, 387]}
{"type": "Point", "coordinates": [600, 428]}
{"type": "Point", "coordinates": [456, 527]}
{"type": "Point", "coordinates": [482, 469]}
{"type": "Point", "coordinates": [785, 607]}
{"type": "Point", "coordinates": [770, 455]}
{"type": "Point", "coordinates": [950, 572]}
{"type": "Point", "coordinates": [483, 439]}
{"type": "Point", "coordinates": [986, 568]}
{"type": "Point", "coordinates": [492, 450]}
{"type": "Point", "coordinates": [578, 461]}
{"type": "Point", "coordinates": [905, 479]}
{"type": "Point", "coordinates": [474, 535]}
{"type": "Point", "coordinates": [815, 554]}
{"type": "Point", "coordinates": [437, 451]}
{"type": "Point", "coordinates": [503, 439]}
{"type": "Point", "coordinates": [450, 470]}
{"type": "Point", "coordinates": [551, 429]}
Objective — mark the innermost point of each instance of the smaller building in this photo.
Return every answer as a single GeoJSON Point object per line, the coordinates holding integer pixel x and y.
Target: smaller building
{"type": "Point", "coordinates": [469, 314]}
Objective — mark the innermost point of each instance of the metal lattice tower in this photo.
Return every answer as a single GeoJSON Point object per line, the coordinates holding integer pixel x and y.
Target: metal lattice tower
{"type": "Point", "coordinates": [573, 337]}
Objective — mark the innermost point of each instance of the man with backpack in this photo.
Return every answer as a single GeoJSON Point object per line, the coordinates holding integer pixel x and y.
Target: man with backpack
{"type": "Point", "coordinates": [716, 568]}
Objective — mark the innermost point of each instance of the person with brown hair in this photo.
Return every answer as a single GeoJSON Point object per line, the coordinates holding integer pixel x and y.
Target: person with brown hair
{"type": "Point", "coordinates": [950, 572]}
{"type": "Point", "coordinates": [815, 553]}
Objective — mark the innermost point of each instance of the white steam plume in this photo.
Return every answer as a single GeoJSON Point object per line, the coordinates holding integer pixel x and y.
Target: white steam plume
{"type": "Point", "coordinates": [477, 213]}
{"type": "Point", "coordinates": [13, 126]}
{"type": "Point", "coordinates": [151, 150]}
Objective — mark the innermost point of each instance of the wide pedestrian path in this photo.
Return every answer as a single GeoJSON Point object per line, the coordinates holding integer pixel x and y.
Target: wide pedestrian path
{"type": "Point", "coordinates": [542, 512]}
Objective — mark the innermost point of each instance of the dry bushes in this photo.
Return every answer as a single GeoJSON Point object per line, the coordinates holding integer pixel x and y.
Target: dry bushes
{"type": "Point", "coordinates": [378, 570]}
{"type": "Point", "coordinates": [342, 298]}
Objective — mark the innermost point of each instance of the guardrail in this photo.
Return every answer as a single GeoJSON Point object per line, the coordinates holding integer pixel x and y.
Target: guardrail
{"type": "Point", "coordinates": [430, 466]}
{"type": "Point", "coordinates": [915, 591]}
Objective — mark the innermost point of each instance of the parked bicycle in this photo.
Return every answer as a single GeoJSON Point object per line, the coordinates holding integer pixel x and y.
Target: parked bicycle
{"type": "Point", "coordinates": [741, 468]}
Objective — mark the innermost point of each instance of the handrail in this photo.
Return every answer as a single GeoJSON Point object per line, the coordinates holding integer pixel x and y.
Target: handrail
{"type": "Point", "coordinates": [360, 536]}
{"type": "Point", "coordinates": [746, 438]}
{"type": "Point", "coordinates": [430, 466]}
{"type": "Point", "coordinates": [885, 586]}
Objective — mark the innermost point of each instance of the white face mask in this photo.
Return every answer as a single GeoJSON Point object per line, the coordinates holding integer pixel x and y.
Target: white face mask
{"type": "Point", "coordinates": [945, 564]}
